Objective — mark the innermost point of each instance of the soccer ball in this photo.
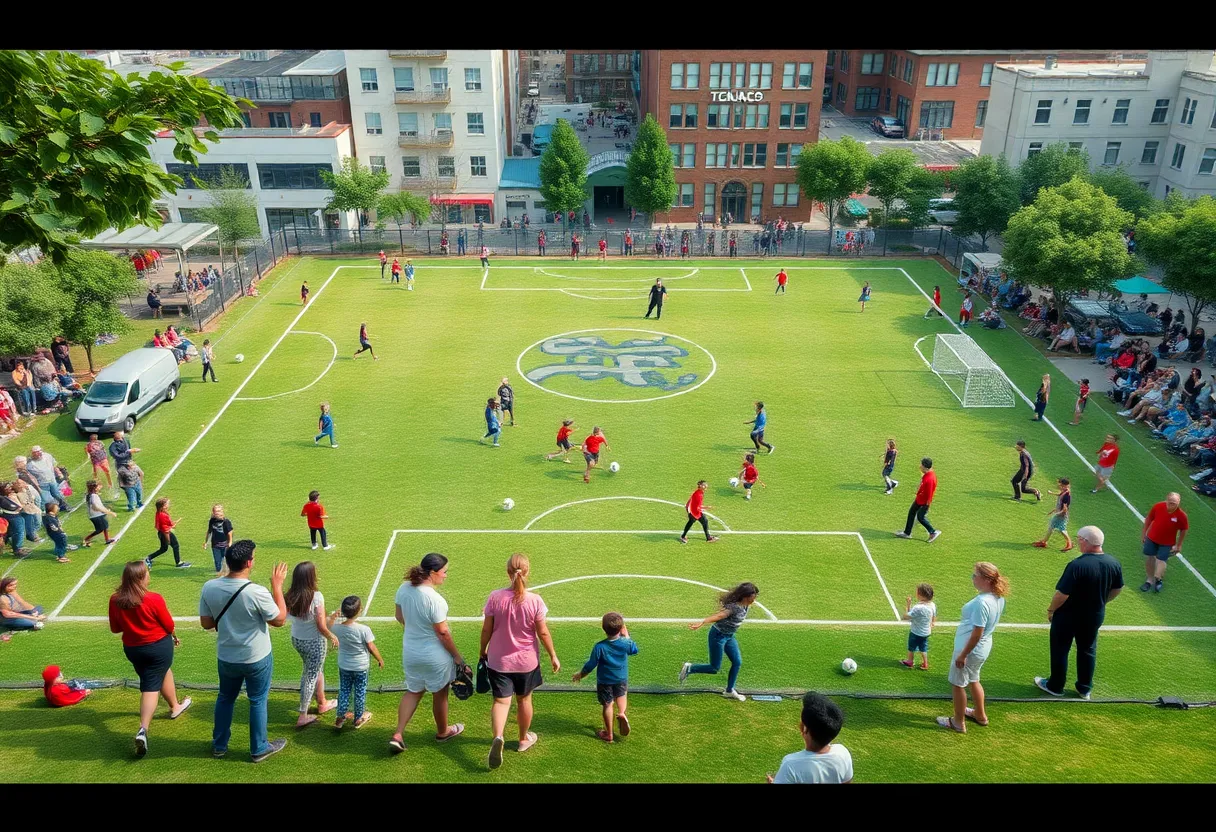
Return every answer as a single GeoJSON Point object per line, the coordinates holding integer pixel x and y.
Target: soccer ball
{"type": "Point", "coordinates": [614, 467]}
{"type": "Point", "coordinates": [734, 482]}
{"type": "Point", "coordinates": [508, 504]}
{"type": "Point", "coordinates": [239, 357]}
{"type": "Point", "coordinates": [849, 666]}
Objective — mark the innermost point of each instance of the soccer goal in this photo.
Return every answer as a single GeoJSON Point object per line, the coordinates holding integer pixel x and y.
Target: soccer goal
{"type": "Point", "coordinates": [973, 377]}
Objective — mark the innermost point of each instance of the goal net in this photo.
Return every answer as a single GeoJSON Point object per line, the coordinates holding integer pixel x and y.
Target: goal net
{"type": "Point", "coordinates": [973, 377]}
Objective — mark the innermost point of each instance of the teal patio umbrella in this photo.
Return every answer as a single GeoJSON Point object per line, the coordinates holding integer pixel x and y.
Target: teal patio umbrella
{"type": "Point", "coordinates": [1140, 286]}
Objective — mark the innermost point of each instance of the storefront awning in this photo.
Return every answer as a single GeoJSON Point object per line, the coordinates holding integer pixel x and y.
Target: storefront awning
{"type": "Point", "coordinates": [464, 199]}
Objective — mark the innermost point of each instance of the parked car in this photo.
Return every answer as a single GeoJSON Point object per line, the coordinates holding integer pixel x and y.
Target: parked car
{"type": "Point", "coordinates": [533, 90]}
{"type": "Point", "coordinates": [128, 389]}
{"type": "Point", "coordinates": [892, 128]}
{"type": "Point", "coordinates": [943, 211]}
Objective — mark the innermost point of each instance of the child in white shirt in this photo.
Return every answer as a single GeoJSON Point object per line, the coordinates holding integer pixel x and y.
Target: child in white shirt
{"type": "Point", "coordinates": [923, 616]}
{"type": "Point", "coordinates": [822, 761]}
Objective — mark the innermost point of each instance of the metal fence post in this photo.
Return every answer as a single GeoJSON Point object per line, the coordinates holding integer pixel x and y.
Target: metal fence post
{"type": "Point", "coordinates": [331, 241]}
{"type": "Point", "coordinates": [400, 240]}
{"type": "Point", "coordinates": [941, 240]}
{"type": "Point", "coordinates": [273, 259]}
{"type": "Point", "coordinates": [517, 242]}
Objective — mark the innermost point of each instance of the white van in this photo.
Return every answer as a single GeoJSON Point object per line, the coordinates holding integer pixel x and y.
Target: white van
{"type": "Point", "coordinates": [128, 389]}
{"type": "Point", "coordinates": [943, 211]}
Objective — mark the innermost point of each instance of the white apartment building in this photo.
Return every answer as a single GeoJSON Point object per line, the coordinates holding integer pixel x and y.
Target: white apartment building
{"type": "Point", "coordinates": [1156, 118]}
{"type": "Point", "coordinates": [281, 165]}
{"type": "Point", "coordinates": [439, 121]}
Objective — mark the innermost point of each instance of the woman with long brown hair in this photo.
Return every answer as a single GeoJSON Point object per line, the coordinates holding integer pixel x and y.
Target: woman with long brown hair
{"type": "Point", "coordinates": [514, 620]}
{"type": "Point", "coordinates": [972, 644]}
{"type": "Point", "coordinates": [309, 635]}
{"type": "Point", "coordinates": [148, 639]}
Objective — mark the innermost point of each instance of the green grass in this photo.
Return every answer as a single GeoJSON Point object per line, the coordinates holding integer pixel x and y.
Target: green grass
{"type": "Point", "coordinates": [837, 383]}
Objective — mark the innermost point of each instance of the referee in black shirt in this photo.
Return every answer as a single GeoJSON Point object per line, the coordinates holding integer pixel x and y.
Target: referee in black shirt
{"type": "Point", "coordinates": [1076, 612]}
{"type": "Point", "coordinates": [658, 294]}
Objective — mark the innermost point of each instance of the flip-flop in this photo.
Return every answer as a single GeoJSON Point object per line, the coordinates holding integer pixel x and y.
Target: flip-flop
{"type": "Point", "coordinates": [330, 705]}
{"type": "Point", "coordinates": [363, 720]}
{"type": "Point", "coordinates": [969, 713]}
{"type": "Point", "coordinates": [529, 740]}
{"type": "Point", "coordinates": [622, 722]}
{"type": "Point", "coordinates": [396, 745]}
{"type": "Point", "coordinates": [182, 706]}
{"type": "Point", "coordinates": [309, 720]}
{"type": "Point", "coordinates": [496, 752]}
{"type": "Point", "coordinates": [453, 731]}
{"type": "Point", "coordinates": [948, 722]}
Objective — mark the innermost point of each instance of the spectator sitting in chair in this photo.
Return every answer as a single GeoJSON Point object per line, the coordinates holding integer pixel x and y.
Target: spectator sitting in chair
{"type": "Point", "coordinates": [70, 386]}
{"type": "Point", "coordinates": [1149, 394]}
{"type": "Point", "coordinates": [1066, 336]}
{"type": "Point", "coordinates": [42, 367]}
{"type": "Point", "coordinates": [158, 340]}
{"type": "Point", "coordinates": [54, 395]}
{"type": "Point", "coordinates": [1172, 421]}
{"type": "Point", "coordinates": [991, 319]}
{"type": "Point", "coordinates": [1193, 434]}
{"type": "Point", "coordinates": [1108, 344]}
{"type": "Point", "coordinates": [1179, 347]}
{"type": "Point", "coordinates": [1198, 341]}
{"type": "Point", "coordinates": [154, 303]}
{"type": "Point", "coordinates": [176, 341]}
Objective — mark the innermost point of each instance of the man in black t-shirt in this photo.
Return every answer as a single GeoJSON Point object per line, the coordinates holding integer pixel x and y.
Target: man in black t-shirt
{"type": "Point", "coordinates": [658, 293]}
{"type": "Point", "coordinates": [1077, 610]}
{"type": "Point", "coordinates": [506, 397]}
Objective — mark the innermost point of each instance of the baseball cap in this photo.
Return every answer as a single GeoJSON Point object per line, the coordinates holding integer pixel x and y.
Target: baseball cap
{"type": "Point", "coordinates": [36, 448]}
{"type": "Point", "coordinates": [1093, 534]}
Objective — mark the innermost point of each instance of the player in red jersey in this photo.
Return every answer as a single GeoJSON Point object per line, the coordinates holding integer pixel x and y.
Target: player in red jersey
{"type": "Point", "coordinates": [1108, 455]}
{"type": "Point", "coordinates": [603, 249]}
{"type": "Point", "coordinates": [749, 476]}
{"type": "Point", "coordinates": [563, 441]}
{"type": "Point", "coordinates": [591, 450]}
{"type": "Point", "coordinates": [696, 509]}
{"type": "Point", "coordinates": [920, 505]}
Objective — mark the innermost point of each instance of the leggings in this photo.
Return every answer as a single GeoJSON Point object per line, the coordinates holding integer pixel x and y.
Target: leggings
{"type": "Point", "coordinates": [703, 520]}
{"type": "Point", "coordinates": [312, 533]}
{"type": "Point", "coordinates": [351, 681]}
{"type": "Point", "coordinates": [167, 539]}
{"type": "Point", "coordinates": [720, 643]}
{"type": "Point", "coordinates": [656, 307]}
{"type": "Point", "coordinates": [312, 653]}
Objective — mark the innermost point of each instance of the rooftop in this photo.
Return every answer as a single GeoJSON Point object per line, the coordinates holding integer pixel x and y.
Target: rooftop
{"type": "Point", "coordinates": [932, 52]}
{"type": "Point", "coordinates": [329, 131]}
{"type": "Point", "coordinates": [329, 62]}
{"type": "Point", "coordinates": [278, 64]}
{"type": "Point", "coordinates": [194, 66]}
{"type": "Point", "coordinates": [1080, 70]}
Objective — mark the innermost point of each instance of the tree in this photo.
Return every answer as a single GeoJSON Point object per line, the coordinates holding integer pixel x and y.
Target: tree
{"type": "Point", "coordinates": [650, 179]}
{"type": "Point", "coordinates": [986, 194]}
{"type": "Point", "coordinates": [1052, 166]}
{"type": "Point", "coordinates": [1117, 182]}
{"type": "Point", "coordinates": [1179, 240]}
{"type": "Point", "coordinates": [829, 172]}
{"type": "Point", "coordinates": [233, 210]}
{"type": "Point", "coordinates": [31, 307]}
{"type": "Point", "coordinates": [95, 282]}
{"type": "Point", "coordinates": [890, 177]}
{"type": "Point", "coordinates": [355, 188]}
{"type": "Point", "coordinates": [403, 205]}
{"type": "Point", "coordinates": [563, 170]}
{"type": "Point", "coordinates": [1070, 241]}
{"type": "Point", "coordinates": [926, 185]}
{"type": "Point", "coordinates": [75, 137]}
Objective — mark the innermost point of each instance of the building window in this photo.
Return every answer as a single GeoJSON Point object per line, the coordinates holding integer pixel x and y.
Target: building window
{"type": "Point", "coordinates": [871, 63]}
{"type": "Point", "coordinates": [279, 119]}
{"type": "Point", "coordinates": [936, 114]}
{"type": "Point", "coordinates": [1035, 147]}
{"type": "Point", "coordinates": [1112, 153]}
{"type": "Point", "coordinates": [942, 75]}
{"type": "Point", "coordinates": [1081, 114]}
{"type": "Point", "coordinates": [986, 76]}
{"type": "Point", "coordinates": [842, 92]}
{"type": "Point", "coordinates": [439, 78]}
{"type": "Point", "coordinates": [477, 165]}
{"type": "Point", "coordinates": [403, 79]}
{"type": "Point", "coordinates": [981, 113]}
{"type": "Point", "coordinates": [844, 61]}
{"type": "Point", "coordinates": [367, 78]}
{"type": "Point", "coordinates": [715, 155]}
{"type": "Point", "coordinates": [314, 119]}
{"type": "Point", "coordinates": [1208, 161]}
{"type": "Point", "coordinates": [209, 174]}
{"type": "Point", "coordinates": [683, 156]}
{"type": "Point", "coordinates": [407, 124]}
{"type": "Point", "coordinates": [909, 71]}
{"type": "Point", "coordinates": [1179, 155]}
{"type": "Point", "coordinates": [1161, 111]}
{"type": "Point", "coordinates": [690, 115]}
{"type": "Point", "coordinates": [374, 127]}
{"type": "Point", "coordinates": [903, 110]}
{"type": "Point", "coordinates": [1213, 125]}
{"type": "Point", "coordinates": [783, 156]}
{"type": "Point", "coordinates": [717, 116]}
{"type": "Point", "coordinates": [757, 199]}
{"type": "Point", "coordinates": [708, 204]}
{"type": "Point", "coordinates": [735, 156]}
{"type": "Point", "coordinates": [757, 116]}
{"type": "Point", "coordinates": [1149, 156]}
{"type": "Point", "coordinates": [806, 75]}
{"type": "Point", "coordinates": [894, 67]}
{"type": "Point", "coordinates": [411, 167]}
{"type": "Point", "coordinates": [759, 76]}
{"type": "Point", "coordinates": [1122, 105]}
{"type": "Point", "coordinates": [785, 194]}
{"type": "Point", "coordinates": [472, 79]}
{"type": "Point", "coordinates": [686, 195]}
{"type": "Point", "coordinates": [481, 213]}
{"type": "Point", "coordinates": [677, 76]}
{"type": "Point", "coordinates": [831, 57]}
{"type": "Point", "coordinates": [301, 177]}
{"type": "Point", "coordinates": [755, 155]}
{"type": "Point", "coordinates": [376, 163]}
{"type": "Point", "coordinates": [280, 218]}
{"type": "Point", "coordinates": [865, 99]}
{"type": "Point", "coordinates": [738, 116]}
{"type": "Point", "coordinates": [443, 122]}
{"type": "Point", "coordinates": [446, 166]}
{"type": "Point", "coordinates": [788, 76]}
{"type": "Point", "coordinates": [1077, 146]}
{"type": "Point", "coordinates": [692, 76]}
{"type": "Point", "coordinates": [676, 117]}
{"type": "Point", "coordinates": [1189, 106]}
{"type": "Point", "coordinates": [716, 80]}
{"type": "Point", "coordinates": [1042, 113]}
{"type": "Point", "coordinates": [477, 126]}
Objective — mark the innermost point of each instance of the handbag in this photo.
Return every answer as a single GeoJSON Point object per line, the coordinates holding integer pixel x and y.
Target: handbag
{"type": "Point", "coordinates": [462, 685]}
{"type": "Point", "coordinates": [483, 676]}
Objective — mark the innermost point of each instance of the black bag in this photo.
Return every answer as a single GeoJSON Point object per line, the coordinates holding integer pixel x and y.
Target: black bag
{"type": "Point", "coordinates": [231, 598]}
{"type": "Point", "coordinates": [483, 676]}
{"type": "Point", "coordinates": [462, 685]}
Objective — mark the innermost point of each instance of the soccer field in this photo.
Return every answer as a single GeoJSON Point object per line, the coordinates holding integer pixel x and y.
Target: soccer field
{"type": "Point", "coordinates": [672, 396]}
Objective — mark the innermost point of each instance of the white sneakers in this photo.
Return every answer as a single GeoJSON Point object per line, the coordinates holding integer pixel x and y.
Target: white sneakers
{"type": "Point", "coordinates": [734, 694]}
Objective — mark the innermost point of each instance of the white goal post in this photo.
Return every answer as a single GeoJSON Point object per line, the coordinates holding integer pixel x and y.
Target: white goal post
{"type": "Point", "coordinates": [968, 372]}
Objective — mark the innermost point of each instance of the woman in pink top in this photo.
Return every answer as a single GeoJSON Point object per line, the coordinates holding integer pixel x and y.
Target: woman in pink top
{"type": "Point", "coordinates": [514, 620]}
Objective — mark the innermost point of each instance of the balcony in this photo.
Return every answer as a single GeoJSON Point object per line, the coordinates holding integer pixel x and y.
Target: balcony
{"type": "Point", "coordinates": [435, 183]}
{"type": "Point", "coordinates": [434, 54]}
{"type": "Point", "coordinates": [439, 138]}
{"type": "Point", "coordinates": [425, 95]}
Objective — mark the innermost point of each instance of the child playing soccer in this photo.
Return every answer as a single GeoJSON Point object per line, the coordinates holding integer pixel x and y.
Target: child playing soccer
{"type": "Point", "coordinates": [923, 616]}
{"type": "Point", "coordinates": [603, 250]}
{"type": "Point", "coordinates": [1082, 400]}
{"type": "Point", "coordinates": [782, 278]}
{"type": "Point", "coordinates": [99, 515]}
{"type": "Point", "coordinates": [493, 425]}
{"type": "Point", "coordinates": [749, 476]}
{"type": "Point", "coordinates": [888, 466]}
{"type": "Point", "coordinates": [395, 271]}
{"type": "Point", "coordinates": [365, 345]}
{"type": "Point", "coordinates": [164, 533]}
{"type": "Point", "coordinates": [325, 424]}
{"type": "Point", "coordinates": [54, 530]}
{"type": "Point", "coordinates": [58, 692]}
{"type": "Point", "coordinates": [383, 263]}
{"type": "Point", "coordinates": [96, 452]}
{"type": "Point", "coordinates": [696, 509]}
{"type": "Point", "coordinates": [485, 257]}
{"type": "Point", "coordinates": [1021, 480]}
{"type": "Point", "coordinates": [563, 441]}
{"type": "Point", "coordinates": [935, 309]}
{"type": "Point", "coordinates": [821, 762]}
{"type": "Point", "coordinates": [591, 450]}
{"type": "Point", "coordinates": [304, 293]}
{"type": "Point", "coordinates": [355, 641]}
{"type": "Point", "coordinates": [409, 275]}
{"type": "Point", "coordinates": [758, 424]}
{"type": "Point", "coordinates": [315, 512]}
{"type": "Point", "coordinates": [611, 656]}
{"type": "Point", "coordinates": [1058, 520]}
{"type": "Point", "coordinates": [865, 295]}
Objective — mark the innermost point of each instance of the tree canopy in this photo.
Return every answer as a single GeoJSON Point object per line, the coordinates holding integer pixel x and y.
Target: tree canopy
{"type": "Point", "coordinates": [650, 180]}
{"type": "Point", "coordinates": [355, 188]}
{"type": "Point", "coordinates": [233, 209]}
{"type": "Point", "coordinates": [1052, 166]}
{"type": "Point", "coordinates": [563, 170]}
{"type": "Point", "coordinates": [32, 304]}
{"type": "Point", "coordinates": [986, 194]}
{"type": "Point", "coordinates": [1117, 182]}
{"type": "Point", "coordinates": [403, 205]}
{"type": "Point", "coordinates": [890, 177]}
{"type": "Point", "coordinates": [829, 172]}
{"type": "Point", "coordinates": [1181, 241]}
{"type": "Point", "coordinates": [95, 282]}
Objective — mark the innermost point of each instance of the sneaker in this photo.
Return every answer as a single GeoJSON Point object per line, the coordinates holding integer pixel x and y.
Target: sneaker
{"type": "Point", "coordinates": [217, 754]}
{"type": "Point", "coordinates": [1146, 586]}
{"type": "Point", "coordinates": [316, 441]}
{"type": "Point", "coordinates": [687, 666]}
{"type": "Point", "coordinates": [274, 747]}
{"type": "Point", "coordinates": [148, 562]}
{"type": "Point", "coordinates": [935, 535]}
{"type": "Point", "coordinates": [711, 540]}
{"type": "Point", "coordinates": [734, 694]}
{"type": "Point", "coordinates": [683, 539]}
{"type": "Point", "coordinates": [72, 547]}
{"type": "Point", "coordinates": [772, 448]}
{"type": "Point", "coordinates": [906, 663]}
{"type": "Point", "coordinates": [333, 446]}
{"type": "Point", "coordinates": [314, 546]}
{"type": "Point", "coordinates": [141, 743]}
{"type": "Point", "coordinates": [904, 535]}
{"type": "Point", "coordinates": [1084, 696]}
{"type": "Point", "coordinates": [496, 752]}
{"type": "Point", "coordinates": [1041, 684]}
{"type": "Point", "coordinates": [184, 564]}
{"type": "Point", "coordinates": [1124, 413]}
{"type": "Point", "coordinates": [327, 547]}
{"type": "Point", "coordinates": [1157, 587]}
{"type": "Point", "coordinates": [887, 492]}
{"type": "Point", "coordinates": [1131, 421]}
{"type": "Point", "coordinates": [747, 496]}
{"type": "Point", "coordinates": [38, 625]}
{"type": "Point", "coordinates": [894, 484]}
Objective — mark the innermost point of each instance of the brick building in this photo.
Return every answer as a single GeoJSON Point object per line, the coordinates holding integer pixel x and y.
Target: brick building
{"type": "Point", "coordinates": [736, 121]}
{"type": "Point", "coordinates": [289, 89]}
{"type": "Point", "coordinates": [943, 90]}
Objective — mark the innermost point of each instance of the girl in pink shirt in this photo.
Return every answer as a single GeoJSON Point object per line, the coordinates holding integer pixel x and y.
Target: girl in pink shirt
{"type": "Point", "coordinates": [514, 620]}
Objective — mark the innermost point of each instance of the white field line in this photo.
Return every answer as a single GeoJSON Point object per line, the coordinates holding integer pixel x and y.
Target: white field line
{"type": "Point", "coordinates": [878, 575]}
{"type": "Point", "coordinates": [537, 589]}
{"type": "Point", "coordinates": [383, 563]}
{"type": "Point", "coordinates": [546, 273]}
{"type": "Point", "coordinates": [743, 271]}
{"type": "Point", "coordinates": [305, 387]}
{"type": "Point", "coordinates": [261, 297]}
{"type": "Point", "coordinates": [575, 294]}
{"type": "Point", "coordinates": [1065, 440]}
{"type": "Point", "coordinates": [149, 499]}
{"type": "Point", "coordinates": [602, 499]}
{"type": "Point", "coordinates": [484, 277]}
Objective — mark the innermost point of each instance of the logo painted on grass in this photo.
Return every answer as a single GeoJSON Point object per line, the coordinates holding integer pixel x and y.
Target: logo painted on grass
{"type": "Point", "coordinates": [616, 365]}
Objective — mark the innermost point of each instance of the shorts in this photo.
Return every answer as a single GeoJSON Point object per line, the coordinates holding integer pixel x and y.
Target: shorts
{"type": "Point", "coordinates": [1160, 551]}
{"type": "Point", "coordinates": [564, 444]}
{"type": "Point", "coordinates": [1058, 523]}
{"type": "Point", "coordinates": [1104, 472]}
{"type": "Point", "coordinates": [151, 663]}
{"type": "Point", "coordinates": [970, 672]}
{"type": "Point", "coordinates": [887, 470]}
{"type": "Point", "coordinates": [748, 485]}
{"type": "Point", "coordinates": [429, 678]}
{"type": "Point", "coordinates": [1081, 405]}
{"type": "Point", "coordinates": [367, 345]}
{"type": "Point", "coordinates": [605, 693]}
{"type": "Point", "coordinates": [101, 523]}
{"type": "Point", "coordinates": [590, 457]}
{"type": "Point", "coordinates": [758, 435]}
{"type": "Point", "coordinates": [102, 464]}
{"type": "Point", "coordinates": [506, 685]}
{"type": "Point", "coordinates": [918, 644]}
{"type": "Point", "coordinates": [508, 404]}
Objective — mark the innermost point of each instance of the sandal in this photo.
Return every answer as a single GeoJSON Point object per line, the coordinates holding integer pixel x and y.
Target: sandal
{"type": "Point", "coordinates": [622, 723]}
{"type": "Point", "coordinates": [604, 735]}
{"type": "Point", "coordinates": [308, 719]}
{"type": "Point", "coordinates": [530, 739]}
{"type": "Point", "coordinates": [970, 714]}
{"type": "Point", "coordinates": [453, 731]}
{"type": "Point", "coordinates": [396, 745]}
{"type": "Point", "coordinates": [330, 704]}
{"type": "Point", "coordinates": [363, 720]}
{"type": "Point", "coordinates": [948, 722]}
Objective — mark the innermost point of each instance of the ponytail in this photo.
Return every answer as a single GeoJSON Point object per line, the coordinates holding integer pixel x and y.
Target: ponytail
{"type": "Point", "coordinates": [431, 563]}
{"type": "Point", "coordinates": [1000, 584]}
{"type": "Point", "coordinates": [518, 567]}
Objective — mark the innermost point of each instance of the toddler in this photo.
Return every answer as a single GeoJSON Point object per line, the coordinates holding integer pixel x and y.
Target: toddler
{"type": "Point", "coordinates": [355, 641]}
{"type": "Point", "coordinates": [611, 656]}
{"type": "Point", "coordinates": [923, 616]}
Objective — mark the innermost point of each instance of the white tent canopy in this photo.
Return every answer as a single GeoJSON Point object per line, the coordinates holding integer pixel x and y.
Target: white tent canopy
{"type": "Point", "coordinates": [172, 236]}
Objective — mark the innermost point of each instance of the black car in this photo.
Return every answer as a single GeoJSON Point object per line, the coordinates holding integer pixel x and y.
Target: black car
{"type": "Point", "coordinates": [892, 128]}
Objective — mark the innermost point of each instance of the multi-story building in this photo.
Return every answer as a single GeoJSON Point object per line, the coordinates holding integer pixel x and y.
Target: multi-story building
{"type": "Point", "coordinates": [1156, 118]}
{"type": "Point", "coordinates": [440, 121]}
{"type": "Point", "coordinates": [737, 121]}
{"type": "Point", "coordinates": [288, 89]}
{"type": "Point", "coordinates": [943, 92]}
{"type": "Point", "coordinates": [597, 75]}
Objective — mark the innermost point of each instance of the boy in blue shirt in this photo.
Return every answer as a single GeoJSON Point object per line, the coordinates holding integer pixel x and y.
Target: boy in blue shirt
{"type": "Point", "coordinates": [611, 656]}
{"type": "Point", "coordinates": [409, 275]}
{"type": "Point", "coordinates": [758, 424]}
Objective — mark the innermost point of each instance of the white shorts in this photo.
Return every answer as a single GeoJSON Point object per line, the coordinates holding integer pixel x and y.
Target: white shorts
{"type": "Point", "coordinates": [1105, 473]}
{"type": "Point", "coordinates": [430, 678]}
{"type": "Point", "coordinates": [969, 673]}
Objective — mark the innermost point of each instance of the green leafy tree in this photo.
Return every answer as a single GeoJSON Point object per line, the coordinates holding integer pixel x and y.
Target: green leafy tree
{"type": "Point", "coordinates": [74, 144]}
{"type": "Point", "coordinates": [95, 282]}
{"type": "Point", "coordinates": [1117, 182]}
{"type": "Point", "coordinates": [1069, 240]}
{"type": "Point", "coordinates": [403, 205]}
{"type": "Point", "coordinates": [1181, 241]}
{"type": "Point", "coordinates": [563, 170]}
{"type": "Point", "coordinates": [987, 192]}
{"type": "Point", "coordinates": [355, 188]}
{"type": "Point", "coordinates": [233, 210]}
{"type": "Point", "coordinates": [890, 177]}
{"type": "Point", "coordinates": [1051, 167]}
{"type": "Point", "coordinates": [926, 186]}
{"type": "Point", "coordinates": [829, 172]}
{"type": "Point", "coordinates": [650, 179]}
{"type": "Point", "coordinates": [32, 307]}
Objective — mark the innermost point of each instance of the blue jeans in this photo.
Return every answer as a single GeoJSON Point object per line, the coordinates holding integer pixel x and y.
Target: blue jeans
{"type": "Point", "coordinates": [16, 530]}
{"type": "Point", "coordinates": [27, 398]}
{"type": "Point", "coordinates": [719, 643]}
{"type": "Point", "coordinates": [329, 433]}
{"type": "Point", "coordinates": [256, 678]}
{"type": "Point", "coordinates": [1102, 351]}
{"type": "Point", "coordinates": [217, 555]}
{"type": "Point", "coordinates": [22, 623]}
{"type": "Point", "coordinates": [32, 523]}
{"type": "Point", "coordinates": [50, 491]}
{"type": "Point", "coordinates": [135, 496]}
{"type": "Point", "coordinates": [61, 544]}
{"type": "Point", "coordinates": [492, 431]}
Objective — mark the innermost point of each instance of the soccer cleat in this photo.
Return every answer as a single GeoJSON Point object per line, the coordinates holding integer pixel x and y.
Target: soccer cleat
{"type": "Point", "coordinates": [733, 694]}
{"type": "Point", "coordinates": [935, 535]}
{"type": "Point", "coordinates": [141, 743]}
{"type": "Point", "coordinates": [1041, 684]}
{"type": "Point", "coordinates": [904, 535]}
{"type": "Point", "coordinates": [772, 448]}
{"type": "Point", "coordinates": [687, 666]}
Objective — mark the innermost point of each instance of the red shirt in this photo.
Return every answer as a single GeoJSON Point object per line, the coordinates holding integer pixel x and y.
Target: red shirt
{"type": "Point", "coordinates": [157, 341]}
{"type": "Point", "coordinates": [60, 695]}
{"type": "Point", "coordinates": [603, 245]}
{"type": "Point", "coordinates": [383, 258]}
{"type": "Point", "coordinates": [694, 503]}
{"type": "Point", "coordinates": [1108, 456]}
{"type": "Point", "coordinates": [396, 267]}
{"type": "Point", "coordinates": [928, 485]}
{"type": "Point", "coordinates": [164, 522]}
{"type": "Point", "coordinates": [1163, 527]}
{"type": "Point", "coordinates": [749, 473]}
{"type": "Point", "coordinates": [782, 277]}
{"type": "Point", "coordinates": [592, 443]}
{"type": "Point", "coordinates": [145, 624]}
{"type": "Point", "coordinates": [937, 296]}
{"type": "Point", "coordinates": [563, 433]}
{"type": "Point", "coordinates": [313, 512]}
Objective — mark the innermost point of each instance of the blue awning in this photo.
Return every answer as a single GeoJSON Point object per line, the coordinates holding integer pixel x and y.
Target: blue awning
{"type": "Point", "coordinates": [1140, 286]}
{"type": "Point", "coordinates": [520, 173]}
